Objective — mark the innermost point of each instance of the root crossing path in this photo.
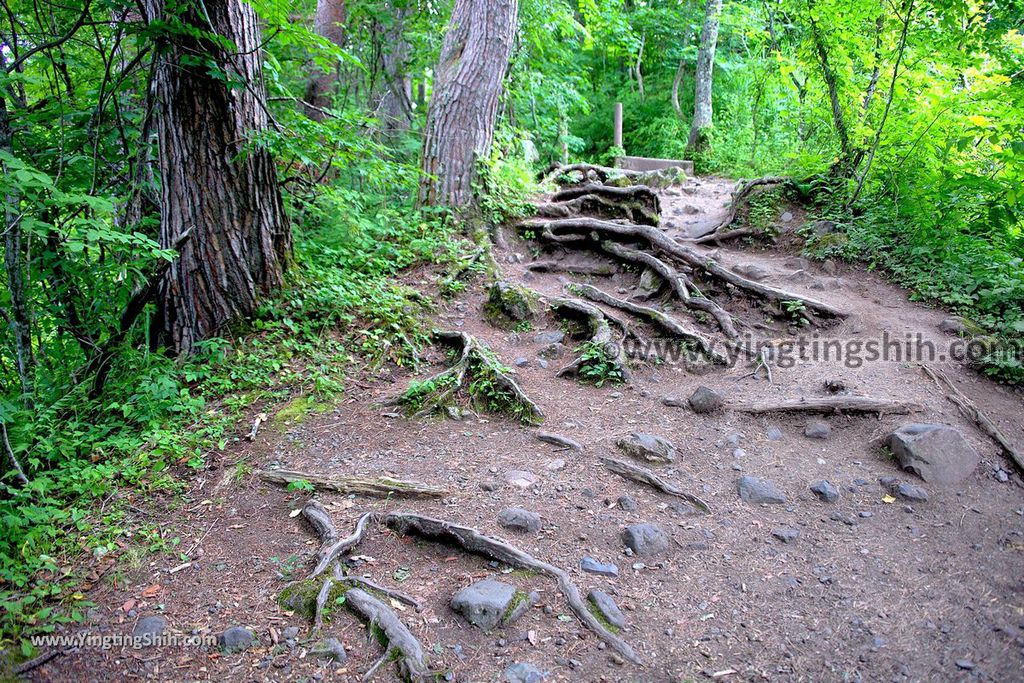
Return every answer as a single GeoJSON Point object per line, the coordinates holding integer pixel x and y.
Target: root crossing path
{"type": "Point", "coordinates": [760, 530]}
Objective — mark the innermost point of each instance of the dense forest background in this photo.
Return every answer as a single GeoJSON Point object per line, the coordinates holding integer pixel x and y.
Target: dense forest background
{"type": "Point", "coordinates": [902, 121]}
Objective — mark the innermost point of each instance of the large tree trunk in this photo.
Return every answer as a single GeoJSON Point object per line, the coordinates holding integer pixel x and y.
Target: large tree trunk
{"type": "Point", "coordinates": [213, 184]}
{"type": "Point", "coordinates": [697, 142]}
{"type": "Point", "coordinates": [464, 101]}
{"type": "Point", "coordinates": [391, 96]}
{"type": "Point", "coordinates": [329, 22]}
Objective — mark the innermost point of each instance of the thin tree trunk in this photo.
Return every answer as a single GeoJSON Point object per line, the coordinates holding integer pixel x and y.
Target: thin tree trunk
{"type": "Point", "coordinates": [391, 96]}
{"type": "Point", "coordinates": [675, 87]}
{"type": "Point", "coordinates": [20, 318]}
{"type": "Point", "coordinates": [328, 22]}
{"type": "Point", "coordinates": [464, 102]}
{"type": "Point", "coordinates": [212, 182]}
{"type": "Point", "coordinates": [702, 113]}
{"type": "Point", "coordinates": [637, 69]}
{"type": "Point", "coordinates": [832, 84]}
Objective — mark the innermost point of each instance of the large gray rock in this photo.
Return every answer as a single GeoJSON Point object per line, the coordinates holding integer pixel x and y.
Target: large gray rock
{"type": "Point", "coordinates": [331, 650]}
{"type": "Point", "coordinates": [645, 539]}
{"type": "Point", "coordinates": [939, 454]}
{"type": "Point", "coordinates": [149, 629]}
{"type": "Point", "coordinates": [648, 447]}
{"type": "Point", "coordinates": [705, 400]}
{"type": "Point", "coordinates": [522, 672]}
{"type": "Point", "coordinates": [518, 519]}
{"type": "Point", "coordinates": [607, 607]}
{"type": "Point", "coordinates": [484, 603]}
{"type": "Point", "coordinates": [755, 490]}
{"type": "Point", "coordinates": [592, 566]}
{"type": "Point", "coordinates": [236, 639]}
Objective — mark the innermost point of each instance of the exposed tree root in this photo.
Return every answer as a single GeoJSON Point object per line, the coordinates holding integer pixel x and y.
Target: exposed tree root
{"type": "Point", "coordinates": [321, 521]}
{"type": "Point", "coordinates": [567, 230]}
{"type": "Point", "coordinates": [600, 337]}
{"type": "Point", "coordinates": [645, 476]}
{"type": "Point", "coordinates": [559, 440]}
{"type": "Point", "coordinates": [474, 542]}
{"type": "Point", "coordinates": [971, 411]}
{"type": "Point", "coordinates": [330, 552]}
{"type": "Point", "coordinates": [404, 598]}
{"type": "Point", "coordinates": [596, 205]}
{"type": "Point", "coordinates": [653, 315]}
{"type": "Point", "coordinates": [739, 198]}
{"type": "Point", "coordinates": [602, 269]}
{"type": "Point", "coordinates": [680, 284]}
{"type": "Point", "coordinates": [382, 619]}
{"type": "Point", "coordinates": [602, 173]}
{"type": "Point", "coordinates": [479, 372]}
{"type": "Point", "coordinates": [831, 404]}
{"type": "Point", "coordinates": [379, 486]}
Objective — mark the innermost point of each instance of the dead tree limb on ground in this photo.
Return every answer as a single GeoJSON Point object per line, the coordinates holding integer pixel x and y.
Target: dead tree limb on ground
{"type": "Point", "coordinates": [366, 486]}
{"type": "Point", "coordinates": [643, 475]}
{"type": "Point", "coordinates": [830, 404]}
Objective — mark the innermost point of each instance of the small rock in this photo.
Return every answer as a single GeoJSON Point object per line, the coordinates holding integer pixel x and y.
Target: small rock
{"type": "Point", "coordinates": [751, 271]}
{"type": "Point", "coordinates": [824, 490]}
{"type": "Point", "coordinates": [484, 603]}
{"type": "Point", "coordinates": [952, 326]}
{"type": "Point", "coordinates": [521, 478]}
{"type": "Point", "coordinates": [552, 337]}
{"type": "Point", "coordinates": [774, 433]}
{"type": "Point", "coordinates": [607, 607]}
{"type": "Point", "coordinates": [904, 490]}
{"type": "Point", "coordinates": [627, 503]}
{"type": "Point", "coordinates": [865, 514]}
{"type": "Point", "coordinates": [786, 217]}
{"type": "Point", "coordinates": [786, 534]}
{"type": "Point", "coordinates": [589, 564]}
{"type": "Point", "coordinates": [521, 361]}
{"type": "Point", "coordinates": [522, 672]}
{"type": "Point", "coordinates": [149, 629]}
{"type": "Point", "coordinates": [835, 386]}
{"type": "Point", "coordinates": [290, 633]}
{"type": "Point", "coordinates": [542, 364]}
{"type": "Point", "coordinates": [691, 209]}
{"type": "Point", "coordinates": [817, 429]}
{"type": "Point", "coordinates": [236, 639]}
{"type": "Point", "coordinates": [645, 539]}
{"type": "Point", "coordinates": [559, 440]}
{"type": "Point", "coordinates": [552, 351]}
{"type": "Point", "coordinates": [845, 519]}
{"type": "Point", "coordinates": [555, 465]}
{"type": "Point", "coordinates": [330, 649]}
{"type": "Point", "coordinates": [674, 402]}
{"type": "Point", "coordinates": [518, 519]}
{"type": "Point", "coordinates": [757, 491]}
{"type": "Point", "coordinates": [705, 400]}
{"type": "Point", "coordinates": [939, 454]}
{"type": "Point", "coordinates": [648, 447]}
{"type": "Point", "coordinates": [965, 664]}
{"type": "Point", "coordinates": [1001, 476]}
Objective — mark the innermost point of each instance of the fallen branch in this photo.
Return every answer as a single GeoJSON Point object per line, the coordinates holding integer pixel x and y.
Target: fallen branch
{"type": "Point", "coordinates": [379, 486]}
{"type": "Point", "coordinates": [381, 618]}
{"type": "Point", "coordinates": [12, 459]}
{"type": "Point", "coordinates": [331, 552]}
{"type": "Point", "coordinates": [559, 440]}
{"type": "Point", "coordinates": [474, 542]}
{"type": "Point", "coordinates": [838, 404]}
{"type": "Point", "coordinates": [971, 411]}
{"type": "Point", "coordinates": [645, 476]}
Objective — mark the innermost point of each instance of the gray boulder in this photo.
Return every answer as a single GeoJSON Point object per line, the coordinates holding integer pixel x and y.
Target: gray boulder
{"type": "Point", "coordinates": [937, 453]}
{"type": "Point", "coordinates": [645, 539]}
{"type": "Point", "coordinates": [756, 491]}
{"type": "Point", "coordinates": [705, 400]}
{"type": "Point", "coordinates": [484, 603]}
{"type": "Point", "coordinates": [518, 519]}
{"type": "Point", "coordinates": [236, 639]}
{"type": "Point", "coordinates": [647, 447]}
{"type": "Point", "coordinates": [331, 650]}
{"type": "Point", "coordinates": [522, 672]}
{"type": "Point", "coordinates": [817, 429]}
{"type": "Point", "coordinates": [149, 629]}
{"type": "Point", "coordinates": [607, 607]}
{"type": "Point", "coordinates": [824, 490]}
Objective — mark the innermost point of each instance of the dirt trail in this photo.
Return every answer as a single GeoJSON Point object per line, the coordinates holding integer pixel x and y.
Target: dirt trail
{"type": "Point", "coordinates": [870, 590]}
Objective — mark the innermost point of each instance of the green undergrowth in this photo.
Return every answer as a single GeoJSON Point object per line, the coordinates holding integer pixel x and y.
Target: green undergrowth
{"type": "Point", "coordinates": [159, 421]}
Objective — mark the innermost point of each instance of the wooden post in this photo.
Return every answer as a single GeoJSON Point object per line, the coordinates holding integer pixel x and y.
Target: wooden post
{"type": "Point", "coordinates": [618, 124]}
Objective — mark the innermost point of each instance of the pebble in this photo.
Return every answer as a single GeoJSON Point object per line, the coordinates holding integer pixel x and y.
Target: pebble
{"type": "Point", "coordinates": [236, 638]}
{"type": "Point", "coordinates": [627, 503]}
{"type": "Point", "coordinates": [518, 519]}
{"type": "Point", "coordinates": [817, 429]}
{"type": "Point", "coordinates": [757, 491]}
{"type": "Point", "coordinates": [589, 564]}
{"type": "Point", "coordinates": [645, 539]}
{"type": "Point", "coordinates": [774, 434]}
{"type": "Point", "coordinates": [825, 491]}
{"type": "Point", "coordinates": [786, 534]}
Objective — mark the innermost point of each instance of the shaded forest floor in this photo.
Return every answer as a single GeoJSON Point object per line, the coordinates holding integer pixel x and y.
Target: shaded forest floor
{"type": "Point", "coordinates": [870, 589]}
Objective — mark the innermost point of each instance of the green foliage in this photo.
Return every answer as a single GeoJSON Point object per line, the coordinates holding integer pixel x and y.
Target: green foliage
{"type": "Point", "coordinates": [596, 366]}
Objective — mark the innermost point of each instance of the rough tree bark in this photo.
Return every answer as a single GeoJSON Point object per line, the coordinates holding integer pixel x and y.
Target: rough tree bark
{"type": "Point", "coordinates": [464, 102]}
{"type": "Point", "coordinates": [697, 142]}
{"type": "Point", "coordinates": [212, 182]}
{"type": "Point", "coordinates": [675, 87]}
{"type": "Point", "coordinates": [329, 22]}
{"type": "Point", "coordinates": [391, 95]}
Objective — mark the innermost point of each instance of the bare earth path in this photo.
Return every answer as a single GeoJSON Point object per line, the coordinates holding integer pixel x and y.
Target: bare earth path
{"type": "Point", "coordinates": [870, 590]}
